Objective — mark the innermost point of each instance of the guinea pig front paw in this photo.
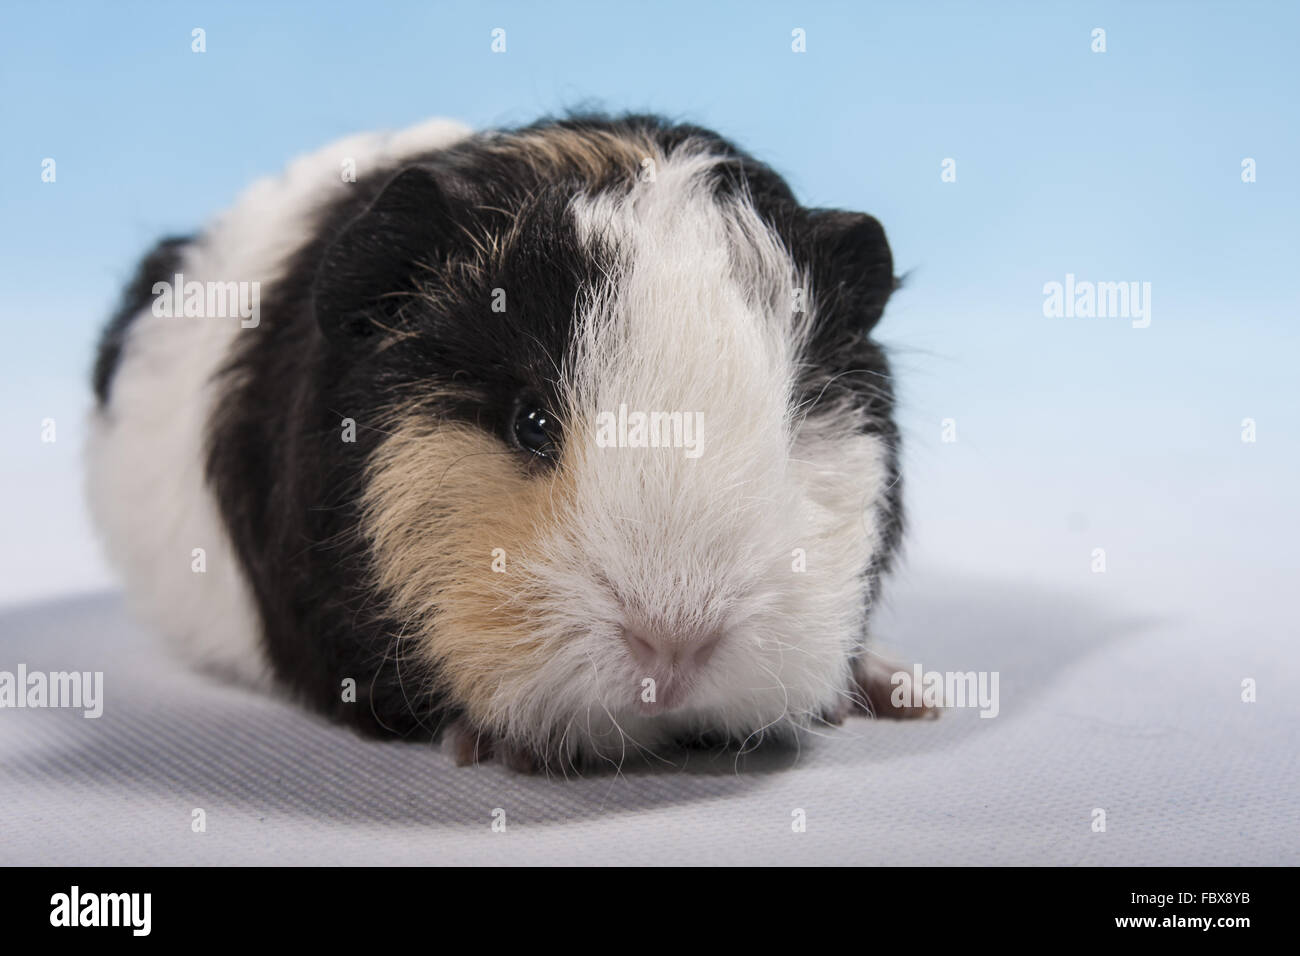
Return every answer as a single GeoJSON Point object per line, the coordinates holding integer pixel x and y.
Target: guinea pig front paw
{"type": "Point", "coordinates": [468, 744]}
{"type": "Point", "coordinates": [465, 743]}
{"type": "Point", "coordinates": [882, 688]}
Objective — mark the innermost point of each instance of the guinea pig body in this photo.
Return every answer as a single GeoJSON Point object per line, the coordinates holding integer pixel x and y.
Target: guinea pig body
{"type": "Point", "coordinates": [570, 440]}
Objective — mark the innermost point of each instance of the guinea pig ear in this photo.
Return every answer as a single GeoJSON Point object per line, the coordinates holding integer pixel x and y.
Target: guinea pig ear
{"type": "Point", "coordinates": [377, 256]}
{"type": "Point", "coordinates": [852, 267]}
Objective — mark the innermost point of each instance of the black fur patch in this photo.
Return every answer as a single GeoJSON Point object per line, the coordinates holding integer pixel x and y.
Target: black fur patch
{"type": "Point", "coordinates": [160, 265]}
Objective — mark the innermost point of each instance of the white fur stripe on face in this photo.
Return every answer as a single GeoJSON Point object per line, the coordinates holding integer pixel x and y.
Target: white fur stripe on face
{"type": "Point", "coordinates": [696, 321]}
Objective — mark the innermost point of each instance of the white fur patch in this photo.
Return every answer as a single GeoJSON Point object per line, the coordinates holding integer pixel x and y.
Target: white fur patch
{"type": "Point", "coordinates": [145, 455]}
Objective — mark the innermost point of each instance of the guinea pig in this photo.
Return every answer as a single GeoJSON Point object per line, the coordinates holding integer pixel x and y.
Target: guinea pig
{"type": "Point", "coordinates": [556, 443]}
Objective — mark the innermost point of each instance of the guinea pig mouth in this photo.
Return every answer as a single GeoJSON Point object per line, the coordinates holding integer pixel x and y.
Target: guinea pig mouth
{"type": "Point", "coordinates": [663, 695]}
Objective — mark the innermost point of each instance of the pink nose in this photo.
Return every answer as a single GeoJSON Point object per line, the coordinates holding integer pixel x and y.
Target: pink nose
{"type": "Point", "coordinates": [668, 652]}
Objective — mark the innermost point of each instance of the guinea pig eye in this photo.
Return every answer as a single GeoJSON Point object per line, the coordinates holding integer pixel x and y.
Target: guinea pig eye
{"type": "Point", "coordinates": [535, 430]}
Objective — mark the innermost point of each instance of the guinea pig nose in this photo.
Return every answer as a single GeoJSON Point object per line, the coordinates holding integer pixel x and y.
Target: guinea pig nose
{"type": "Point", "coordinates": [666, 650]}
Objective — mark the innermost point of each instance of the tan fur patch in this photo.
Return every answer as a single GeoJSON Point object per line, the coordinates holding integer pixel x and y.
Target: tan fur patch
{"type": "Point", "coordinates": [440, 499]}
{"type": "Point", "coordinates": [595, 155]}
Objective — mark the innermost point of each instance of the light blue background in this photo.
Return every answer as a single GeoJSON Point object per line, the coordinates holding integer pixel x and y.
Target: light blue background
{"type": "Point", "coordinates": [1073, 433]}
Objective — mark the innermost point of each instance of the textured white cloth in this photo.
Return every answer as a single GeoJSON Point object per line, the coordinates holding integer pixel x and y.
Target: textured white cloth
{"type": "Point", "coordinates": [1129, 713]}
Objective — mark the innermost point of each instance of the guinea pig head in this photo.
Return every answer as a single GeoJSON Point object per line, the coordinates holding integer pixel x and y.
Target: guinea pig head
{"type": "Point", "coordinates": [637, 476]}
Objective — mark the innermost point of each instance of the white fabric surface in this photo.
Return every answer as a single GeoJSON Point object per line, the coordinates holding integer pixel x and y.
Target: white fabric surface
{"type": "Point", "coordinates": [1131, 712]}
